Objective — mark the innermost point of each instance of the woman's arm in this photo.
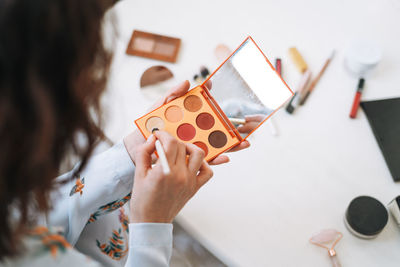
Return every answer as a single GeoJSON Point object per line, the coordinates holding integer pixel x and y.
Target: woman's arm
{"type": "Point", "coordinates": [104, 185]}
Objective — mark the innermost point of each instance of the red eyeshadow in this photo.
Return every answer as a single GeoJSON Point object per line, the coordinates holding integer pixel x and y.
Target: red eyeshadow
{"type": "Point", "coordinates": [202, 146]}
{"type": "Point", "coordinates": [186, 132]}
{"type": "Point", "coordinates": [205, 121]}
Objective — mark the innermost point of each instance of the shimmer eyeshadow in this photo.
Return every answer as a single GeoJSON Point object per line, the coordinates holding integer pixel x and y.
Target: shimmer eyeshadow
{"type": "Point", "coordinates": [164, 49]}
{"type": "Point", "coordinates": [205, 121]}
{"type": "Point", "coordinates": [144, 44]}
{"type": "Point", "coordinates": [174, 114]}
{"type": "Point", "coordinates": [192, 103]}
{"type": "Point", "coordinates": [202, 146]}
{"type": "Point", "coordinates": [217, 139]}
{"type": "Point", "coordinates": [186, 132]}
{"type": "Point", "coordinates": [154, 122]}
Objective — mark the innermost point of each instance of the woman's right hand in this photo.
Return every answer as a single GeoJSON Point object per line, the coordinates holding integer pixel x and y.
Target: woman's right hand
{"type": "Point", "coordinates": [157, 197]}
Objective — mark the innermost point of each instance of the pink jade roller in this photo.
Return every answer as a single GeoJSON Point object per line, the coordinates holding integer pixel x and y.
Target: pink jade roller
{"type": "Point", "coordinates": [328, 239]}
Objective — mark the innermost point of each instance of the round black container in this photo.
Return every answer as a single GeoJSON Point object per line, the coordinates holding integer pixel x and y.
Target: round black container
{"type": "Point", "coordinates": [366, 217]}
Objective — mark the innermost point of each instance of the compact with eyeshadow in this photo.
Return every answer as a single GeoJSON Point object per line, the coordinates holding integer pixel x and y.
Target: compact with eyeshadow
{"type": "Point", "coordinates": [154, 46]}
{"type": "Point", "coordinates": [246, 91]}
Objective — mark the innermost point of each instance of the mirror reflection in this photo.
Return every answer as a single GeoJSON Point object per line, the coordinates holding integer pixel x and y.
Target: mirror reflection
{"type": "Point", "coordinates": [247, 88]}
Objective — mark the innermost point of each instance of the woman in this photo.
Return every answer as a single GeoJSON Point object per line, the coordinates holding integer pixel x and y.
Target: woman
{"type": "Point", "coordinates": [53, 69]}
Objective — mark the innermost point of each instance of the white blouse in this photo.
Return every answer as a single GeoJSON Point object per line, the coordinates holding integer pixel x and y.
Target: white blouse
{"type": "Point", "coordinates": [92, 212]}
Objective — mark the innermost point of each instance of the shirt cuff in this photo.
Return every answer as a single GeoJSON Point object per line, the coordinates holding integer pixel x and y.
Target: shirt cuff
{"type": "Point", "coordinates": [150, 234]}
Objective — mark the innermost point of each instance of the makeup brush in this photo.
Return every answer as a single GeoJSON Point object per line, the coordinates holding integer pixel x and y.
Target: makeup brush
{"type": "Point", "coordinates": [316, 79]}
{"type": "Point", "coordinates": [295, 100]}
{"type": "Point", "coordinates": [161, 155]}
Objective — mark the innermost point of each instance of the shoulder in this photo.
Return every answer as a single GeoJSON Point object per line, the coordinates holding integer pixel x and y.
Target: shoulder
{"type": "Point", "coordinates": [42, 247]}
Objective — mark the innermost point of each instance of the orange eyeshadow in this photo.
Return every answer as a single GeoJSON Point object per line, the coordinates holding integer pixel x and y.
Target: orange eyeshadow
{"type": "Point", "coordinates": [202, 146]}
{"type": "Point", "coordinates": [191, 118]}
{"type": "Point", "coordinates": [246, 83]}
{"type": "Point", "coordinates": [174, 114]}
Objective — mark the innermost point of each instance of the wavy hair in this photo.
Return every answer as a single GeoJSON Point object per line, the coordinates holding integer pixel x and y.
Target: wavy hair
{"type": "Point", "coordinates": [53, 69]}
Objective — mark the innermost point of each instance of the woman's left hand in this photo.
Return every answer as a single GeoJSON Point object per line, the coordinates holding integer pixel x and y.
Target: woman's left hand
{"type": "Point", "coordinates": [136, 139]}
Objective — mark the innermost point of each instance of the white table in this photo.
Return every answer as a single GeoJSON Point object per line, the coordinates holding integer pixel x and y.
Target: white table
{"type": "Point", "coordinates": [261, 209]}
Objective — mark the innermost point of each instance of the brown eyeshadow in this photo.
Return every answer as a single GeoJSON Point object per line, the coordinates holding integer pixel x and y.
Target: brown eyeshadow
{"type": "Point", "coordinates": [217, 139]}
{"type": "Point", "coordinates": [192, 103]}
{"type": "Point", "coordinates": [205, 121]}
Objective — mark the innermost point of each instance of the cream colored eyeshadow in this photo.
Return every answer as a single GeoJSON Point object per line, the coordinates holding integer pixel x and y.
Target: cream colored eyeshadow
{"type": "Point", "coordinates": [154, 122]}
{"type": "Point", "coordinates": [144, 45]}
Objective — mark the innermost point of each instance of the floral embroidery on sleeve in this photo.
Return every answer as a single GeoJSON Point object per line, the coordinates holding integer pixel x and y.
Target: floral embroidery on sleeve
{"type": "Point", "coordinates": [115, 248]}
{"type": "Point", "coordinates": [123, 219]}
{"type": "Point", "coordinates": [52, 242]}
{"type": "Point", "coordinates": [109, 207]}
{"type": "Point", "coordinates": [80, 184]}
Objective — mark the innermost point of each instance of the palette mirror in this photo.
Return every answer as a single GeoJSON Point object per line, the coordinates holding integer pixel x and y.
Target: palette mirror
{"type": "Point", "coordinates": [247, 88]}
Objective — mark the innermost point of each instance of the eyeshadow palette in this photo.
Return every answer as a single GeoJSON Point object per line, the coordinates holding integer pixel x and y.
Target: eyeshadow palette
{"type": "Point", "coordinates": [154, 46]}
{"type": "Point", "coordinates": [191, 119]}
{"type": "Point", "coordinates": [245, 86]}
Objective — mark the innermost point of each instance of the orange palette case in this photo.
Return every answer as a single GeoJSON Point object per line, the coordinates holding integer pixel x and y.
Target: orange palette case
{"type": "Point", "coordinates": [245, 86]}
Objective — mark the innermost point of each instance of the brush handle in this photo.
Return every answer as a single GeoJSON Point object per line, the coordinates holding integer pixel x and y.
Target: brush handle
{"type": "Point", "coordinates": [335, 261]}
{"type": "Point", "coordinates": [163, 158]}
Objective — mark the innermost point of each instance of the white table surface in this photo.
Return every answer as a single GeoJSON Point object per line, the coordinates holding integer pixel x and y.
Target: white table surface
{"type": "Point", "coordinates": [262, 207]}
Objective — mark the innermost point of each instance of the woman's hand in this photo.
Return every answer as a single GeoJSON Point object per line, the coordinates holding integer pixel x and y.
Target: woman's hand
{"type": "Point", "coordinates": [136, 139]}
{"type": "Point", "coordinates": [156, 197]}
{"type": "Point", "coordinates": [252, 122]}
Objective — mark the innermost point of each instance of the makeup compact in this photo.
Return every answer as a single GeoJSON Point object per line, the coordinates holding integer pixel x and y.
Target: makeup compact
{"type": "Point", "coordinates": [366, 217]}
{"type": "Point", "coordinates": [154, 75]}
{"type": "Point", "coordinates": [154, 46]}
{"type": "Point", "coordinates": [244, 86]}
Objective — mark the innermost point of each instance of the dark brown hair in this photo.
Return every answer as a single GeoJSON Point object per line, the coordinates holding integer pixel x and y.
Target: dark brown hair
{"type": "Point", "coordinates": [53, 69]}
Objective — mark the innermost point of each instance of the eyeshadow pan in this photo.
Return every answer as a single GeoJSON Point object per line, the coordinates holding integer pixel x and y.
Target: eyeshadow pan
{"type": "Point", "coordinates": [186, 132]}
{"type": "Point", "coordinates": [164, 48]}
{"type": "Point", "coordinates": [217, 139]}
{"type": "Point", "coordinates": [154, 122]}
{"type": "Point", "coordinates": [202, 146]}
{"type": "Point", "coordinates": [193, 103]}
{"type": "Point", "coordinates": [174, 114]}
{"type": "Point", "coordinates": [144, 44]}
{"type": "Point", "coordinates": [205, 121]}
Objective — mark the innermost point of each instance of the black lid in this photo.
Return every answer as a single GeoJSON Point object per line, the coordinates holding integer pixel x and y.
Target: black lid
{"type": "Point", "coordinates": [366, 215]}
